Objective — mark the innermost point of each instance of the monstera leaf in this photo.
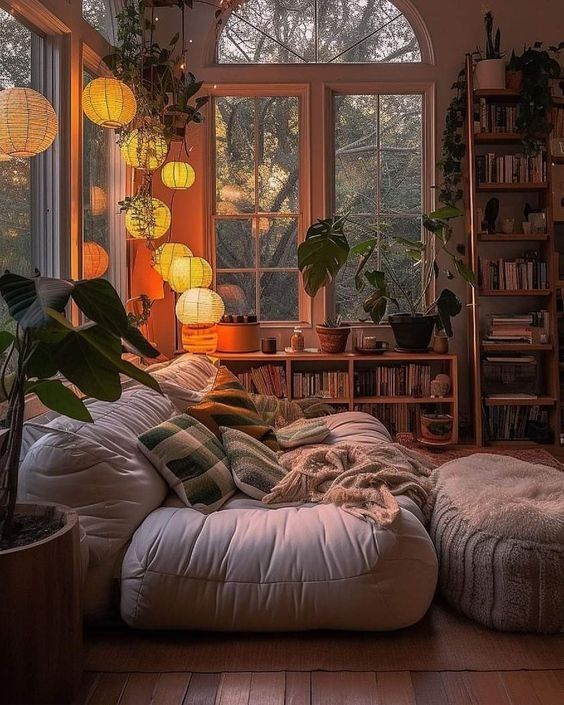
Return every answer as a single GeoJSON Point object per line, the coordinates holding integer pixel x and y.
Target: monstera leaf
{"type": "Point", "coordinates": [323, 253]}
{"type": "Point", "coordinates": [448, 305]}
{"type": "Point", "coordinates": [29, 299]}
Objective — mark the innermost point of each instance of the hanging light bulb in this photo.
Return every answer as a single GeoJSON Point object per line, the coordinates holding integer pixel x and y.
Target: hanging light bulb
{"type": "Point", "coordinates": [147, 218]}
{"type": "Point", "coordinates": [109, 102]}
{"type": "Point", "coordinates": [145, 148]}
{"type": "Point", "coordinates": [95, 260]}
{"type": "Point", "coordinates": [28, 123]}
{"type": "Point", "coordinates": [178, 175]}
{"type": "Point", "coordinates": [189, 273]}
{"type": "Point", "coordinates": [164, 256]}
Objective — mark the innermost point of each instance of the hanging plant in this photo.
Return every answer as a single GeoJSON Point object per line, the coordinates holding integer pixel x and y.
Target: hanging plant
{"type": "Point", "coordinates": [453, 147]}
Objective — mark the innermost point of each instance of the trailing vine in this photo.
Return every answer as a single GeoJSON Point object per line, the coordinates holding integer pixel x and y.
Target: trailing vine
{"type": "Point", "coordinates": [453, 147]}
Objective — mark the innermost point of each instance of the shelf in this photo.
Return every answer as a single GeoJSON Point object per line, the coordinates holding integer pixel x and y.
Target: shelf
{"type": "Point", "coordinates": [498, 137]}
{"type": "Point", "coordinates": [326, 400]}
{"type": "Point", "coordinates": [496, 93]}
{"type": "Point", "coordinates": [391, 356]}
{"type": "Point", "coordinates": [523, 186]}
{"type": "Point", "coordinates": [516, 292]}
{"type": "Point", "coordinates": [516, 347]}
{"type": "Point", "coordinates": [535, 401]}
{"type": "Point", "coordinates": [403, 400]}
{"type": "Point", "coordinates": [513, 237]}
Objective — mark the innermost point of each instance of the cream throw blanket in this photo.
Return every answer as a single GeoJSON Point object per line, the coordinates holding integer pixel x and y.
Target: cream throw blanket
{"type": "Point", "coordinates": [362, 478]}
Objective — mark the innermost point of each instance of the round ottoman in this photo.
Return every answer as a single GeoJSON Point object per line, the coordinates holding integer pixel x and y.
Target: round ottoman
{"type": "Point", "coordinates": [498, 527]}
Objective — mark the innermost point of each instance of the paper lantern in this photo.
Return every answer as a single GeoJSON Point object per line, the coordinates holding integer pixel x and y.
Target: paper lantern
{"type": "Point", "coordinates": [109, 102]}
{"type": "Point", "coordinates": [98, 200]}
{"type": "Point", "coordinates": [199, 306]}
{"type": "Point", "coordinates": [95, 260]}
{"type": "Point", "coordinates": [178, 175]}
{"type": "Point", "coordinates": [164, 255]}
{"type": "Point", "coordinates": [147, 218]}
{"type": "Point", "coordinates": [4, 157]}
{"type": "Point", "coordinates": [145, 148]}
{"type": "Point", "coordinates": [189, 273]}
{"type": "Point", "coordinates": [28, 123]}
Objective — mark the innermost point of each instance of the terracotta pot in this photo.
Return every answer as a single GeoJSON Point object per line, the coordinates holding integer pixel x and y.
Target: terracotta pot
{"type": "Point", "coordinates": [490, 74]}
{"type": "Point", "coordinates": [40, 617]}
{"type": "Point", "coordinates": [333, 340]}
{"type": "Point", "coordinates": [514, 80]}
{"type": "Point", "coordinates": [436, 427]}
{"type": "Point", "coordinates": [440, 343]}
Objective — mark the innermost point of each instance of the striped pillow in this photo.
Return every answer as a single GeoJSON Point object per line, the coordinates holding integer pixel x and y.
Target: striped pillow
{"type": "Point", "coordinates": [228, 404]}
{"type": "Point", "coordinates": [254, 467]}
{"type": "Point", "coordinates": [191, 460]}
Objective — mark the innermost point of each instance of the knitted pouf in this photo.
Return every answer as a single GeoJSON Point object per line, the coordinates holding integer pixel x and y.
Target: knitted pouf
{"type": "Point", "coordinates": [498, 527]}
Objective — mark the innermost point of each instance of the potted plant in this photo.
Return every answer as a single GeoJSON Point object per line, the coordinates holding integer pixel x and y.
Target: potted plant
{"type": "Point", "coordinates": [490, 68]}
{"type": "Point", "coordinates": [514, 73]}
{"type": "Point", "coordinates": [333, 335]}
{"type": "Point", "coordinates": [436, 427]}
{"type": "Point", "coordinates": [40, 619]}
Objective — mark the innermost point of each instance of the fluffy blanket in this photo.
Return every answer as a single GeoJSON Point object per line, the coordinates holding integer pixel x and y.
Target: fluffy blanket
{"type": "Point", "coordinates": [362, 479]}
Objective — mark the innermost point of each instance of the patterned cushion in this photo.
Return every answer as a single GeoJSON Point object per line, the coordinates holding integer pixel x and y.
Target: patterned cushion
{"type": "Point", "coordinates": [254, 466]}
{"type": "Point", "coordinates": [303, 432]}
{"type": "Point", "coordinates": [228, 404]}
{"type": "Point", "coordinates": [191, 460]}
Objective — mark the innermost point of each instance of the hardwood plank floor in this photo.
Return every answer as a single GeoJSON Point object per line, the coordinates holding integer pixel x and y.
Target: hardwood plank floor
{"type": "Point", "coordinates": [325, 688]}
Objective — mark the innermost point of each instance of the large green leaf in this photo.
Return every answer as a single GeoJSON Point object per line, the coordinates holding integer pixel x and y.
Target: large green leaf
{"type": "Point", "coordinates": [41, 363]}
{"type": "Point", "coordinates": [448, 305]}
{"type": "Point", "coordinates": [134, 341]}
{"type": "Point", "coordinates": [323, 253]}
{"type": "Point", "coordinates": [99, 302]}
{"type": "Point", "coordinates": [54, 394]}
{"type": "Point", "coordinates": [29, 299]}
{"type": "Point", "coordinates": [375, 304]}
{"type": "Point", "coordinates": [6, 339]}
{"type": "Point", "coordinates": [446, 213]}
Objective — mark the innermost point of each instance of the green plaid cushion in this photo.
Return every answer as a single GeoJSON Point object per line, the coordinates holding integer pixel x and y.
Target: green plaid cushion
{"type": "Point", "coordinates": [192, 461]}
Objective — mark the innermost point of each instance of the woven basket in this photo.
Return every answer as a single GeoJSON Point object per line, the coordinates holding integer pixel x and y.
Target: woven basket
{"type": "Point", "coordinates": [333, 340]}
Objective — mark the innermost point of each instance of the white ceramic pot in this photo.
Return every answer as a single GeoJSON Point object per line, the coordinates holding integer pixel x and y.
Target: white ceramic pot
{"type": "Point", "coordinates": [490, 74]}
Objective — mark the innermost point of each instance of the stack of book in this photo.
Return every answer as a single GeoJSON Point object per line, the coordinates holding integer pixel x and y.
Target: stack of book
{"type": "Point", "coordinates": [505, 376]}
{"type": "Point", "coordinates": [518, 328]}
{"type": "Point", "coordinates": [328, 385]}
{"type": "Point", "coordinates": [409, 379]}
{"type": "Point", "coordinates": [495, 117]}
{"type": "Point", "coordinates": [510, 168]}
{"type": "Point", "coordinates": [267, 379]}
{"type": "Point", "coordinates": [510, 275]}
{"type": "Point", "coordinates": [509, 423]}
{"type": "Point", "coordinates": [395, 417]}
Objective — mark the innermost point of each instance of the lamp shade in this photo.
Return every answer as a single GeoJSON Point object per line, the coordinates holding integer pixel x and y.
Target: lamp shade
{"type": "Point", "coordinates": [109, 102]}
{"type": "Point", "coordinates": [189, 273]}
{"type": "Point", "coordinates": [95, 260]}
{"type": "Point", "coordinates": [199, 307]}
{"type": "Point", "coordinates": [4, 157]}
{"type": "Point", "coordinates": [28, 123]}
{"type": "Point", "coordinates": [178, 175]}
{"type": "Point", "coordinates": [145, 148]}
{"type": "Point", "coordinates": [98, 200]}
{"type": "Point", "coordinates": [147, 218]}
{"type": "Point", "coordinates": [164, 255]}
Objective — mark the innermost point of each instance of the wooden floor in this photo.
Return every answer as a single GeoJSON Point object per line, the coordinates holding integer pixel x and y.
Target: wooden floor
{"type": "Point", "coordinates": [323, 688]}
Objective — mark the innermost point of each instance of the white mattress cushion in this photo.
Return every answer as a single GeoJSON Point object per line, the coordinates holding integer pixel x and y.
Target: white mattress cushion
{"type": "Point", "coordinates": [355, 427]}
{"type": "Point", "coordinates": [184, 379]}
{"type": "Point", "coordinates": [263, 569]}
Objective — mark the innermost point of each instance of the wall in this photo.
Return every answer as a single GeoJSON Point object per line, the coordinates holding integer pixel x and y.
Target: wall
{"type": "Point", "coordinates": [455, 27]}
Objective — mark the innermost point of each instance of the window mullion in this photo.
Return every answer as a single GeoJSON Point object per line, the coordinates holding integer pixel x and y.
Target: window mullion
{"type": "Point", "coordinates": [255, 223]}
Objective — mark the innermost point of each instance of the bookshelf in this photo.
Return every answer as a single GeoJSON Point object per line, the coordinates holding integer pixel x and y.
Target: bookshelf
{"type": "Point", "coordinates": [556, 166]}
{"type": "Point", "coordinates": [388, 399]}
{"type": "Point", "coordinates": [512, 332]}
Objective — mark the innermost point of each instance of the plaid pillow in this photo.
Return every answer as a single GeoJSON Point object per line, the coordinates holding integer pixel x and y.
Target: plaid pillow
{"type": "Point", "coordinates": [228, 404]}
{"type": "Point", "coordinates": [191, 460]}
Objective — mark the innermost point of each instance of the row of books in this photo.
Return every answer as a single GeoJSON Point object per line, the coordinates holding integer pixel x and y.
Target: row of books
{"type": "Point", "coordinates": [510, 275]}
{"type": "Point", "coordinates": [531, 328]}
{"type": "Point", "coordinates": [503, 375]}
{"type": "Point", "coordinates": [266, 379]}
{"type": "Point", "coordinates": [495, 117]}
{"type": "Point", "coordinates": [410, 379]}
{"type": "Point", "coordinates": [510, 168]}
{"type": "Point", "coordinates": [509, 423]}
{"type": "Point", "coordinates": [395, 417]}
{"type": "Point", "coordinates": [557, 120]}
{"type": "Point", "coordinates": [329, 385]}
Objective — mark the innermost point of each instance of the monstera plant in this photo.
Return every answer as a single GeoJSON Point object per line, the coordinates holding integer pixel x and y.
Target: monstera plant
{"type": "Point", "coordinates": [43, 351]}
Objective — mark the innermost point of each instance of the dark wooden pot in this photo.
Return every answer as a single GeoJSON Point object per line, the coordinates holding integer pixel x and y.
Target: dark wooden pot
{"type": "Point", "coordinates": [333, 340]}
{"type": "Point", "coordinates": [40, 617]}
{"type": "Point", "coordinates": [412, 332]}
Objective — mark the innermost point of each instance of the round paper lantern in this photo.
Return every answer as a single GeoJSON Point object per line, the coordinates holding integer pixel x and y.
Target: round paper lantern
{"type": "Point", "coordinates": [178, 175]}
{"type": "Point", "coordinates": [189, 273]}
{"type": "Point", "coordinates": [4, 157]}
{"type": "Point", "coordinates": [109, 102]}
{"type": "Point", "coordinates": [98, 200]}
{"type": "Point", "coordinates": [144, 149]}
{"type": "Point", "coordinates": [147, 218]}
{"type": "Point", "coordinates": [28, 123]}
{"type": "Point", "coordinates": [199, 307]}
{"type": "Point", "coordinates": [164, 255]}
{"type": "Point", "coordinates": [95, 260]}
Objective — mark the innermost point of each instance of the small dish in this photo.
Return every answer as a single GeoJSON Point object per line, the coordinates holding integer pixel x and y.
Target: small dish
{"type": "Point", "coordinates": [372, 351]}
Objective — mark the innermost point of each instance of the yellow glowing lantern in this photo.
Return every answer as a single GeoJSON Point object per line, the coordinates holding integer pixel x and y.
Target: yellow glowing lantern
{"type": "Point", "coordinates": [178, 175]}
{"type": "Point", "coordinates": [147, 218]}
{"type": "Point", "coordinates": [109, 102]}
{"type": "Point", "coordinates": [145, 148]}
{"type": "Point", "coordinates": [28, 123]}
{"type": "Point", "coordinates": [98, 200]}
{"type": "Point", "coordinates": [95, 260]}
{"type": "Point", "coordinates": [164, 255]}
{"type": "Point", "coordinates": [189, 273]}
{"type": "Point", "coordinates": [199, 310]}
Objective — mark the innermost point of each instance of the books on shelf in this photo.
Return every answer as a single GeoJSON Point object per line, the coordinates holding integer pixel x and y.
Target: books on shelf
{"type": "Point", "coordinates": [395, 417]}
{"type": "Point", "coordinates": [410, 379]}
{"type": "Point", "coordinates": [328, 384]}
{"type": "Point", "coordinates": [266, 379]}
{"type": "Point", "coordinates": [529, 328]}
{"type": "Point", "coordinates": [511, 168]}
{"type": "Point", "coordinates": [495, 117]}
{"type": "Point", "coordinates": [525, 272]}
{"type": "Point", "coordinates": [557, 120]}
{"type": "Point", "coordinates": [509, 423]}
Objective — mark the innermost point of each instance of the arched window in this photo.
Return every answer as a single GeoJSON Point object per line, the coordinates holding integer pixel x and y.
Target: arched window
{"type": "Point", "coordinates": [318, 32]}
{"type": "Point", "coordinates": [100, 14]}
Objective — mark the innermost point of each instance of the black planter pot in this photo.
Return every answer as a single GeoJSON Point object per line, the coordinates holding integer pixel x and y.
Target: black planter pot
{"type": "Point", "coordinates": [412, 332]}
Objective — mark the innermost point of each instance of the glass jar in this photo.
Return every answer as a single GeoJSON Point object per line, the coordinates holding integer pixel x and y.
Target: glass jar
{"type": "Point", "coordinates": [297, 342]}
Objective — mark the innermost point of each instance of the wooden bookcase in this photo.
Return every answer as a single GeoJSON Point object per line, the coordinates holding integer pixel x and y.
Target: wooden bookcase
{"type": "Point", "coordinates": [556, 165]}
{"type": "Point", "coordinates": [352, 364]}
{"type": "Point", "coordinates": [484, 302]}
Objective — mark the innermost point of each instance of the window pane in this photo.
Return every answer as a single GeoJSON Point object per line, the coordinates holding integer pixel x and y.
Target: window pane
{"type": "Point", "coordinates": [406, 272]}
{"type": "Point", "coordinates": [235, 247]}
{"type": "Point", "coordinates": [348, 299]}
{"type": "Point", "coordinates": [238, 292]}
{"type": "Point", "coordinates": [279, 296]}
{"type": "Point", "coordinates": [278, 242]}
{"type": "Point", "coordinates": [98, 14]}
{"type": "Point", "coordinates": [234, 155]}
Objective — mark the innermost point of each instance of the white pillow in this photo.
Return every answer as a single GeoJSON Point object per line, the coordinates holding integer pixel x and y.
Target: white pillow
{"type": "Point", "coordinates": [192, 372]}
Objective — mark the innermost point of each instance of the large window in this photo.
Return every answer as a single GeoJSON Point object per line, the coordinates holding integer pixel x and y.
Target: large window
{"type": "Point", "coordinates": [99, 14]}
{"type": "Point", "coordinates": [257, 204]}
